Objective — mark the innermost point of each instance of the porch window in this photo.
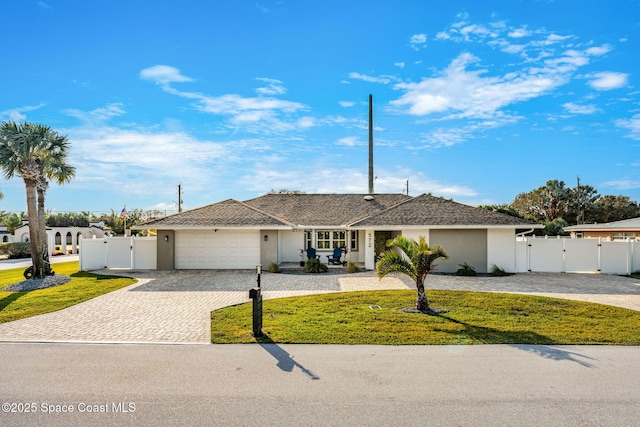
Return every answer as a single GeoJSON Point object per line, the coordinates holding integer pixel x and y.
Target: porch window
{"type": "Point", "coordinates": [353, 246]}
{"type": "Point", "coordinates": [339, 239]}
{"type": "Point", "coordinates": [324, 240]}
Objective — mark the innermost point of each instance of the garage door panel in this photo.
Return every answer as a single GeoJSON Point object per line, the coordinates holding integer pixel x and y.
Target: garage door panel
{"type": "Point", "coordinates": [223, 249]}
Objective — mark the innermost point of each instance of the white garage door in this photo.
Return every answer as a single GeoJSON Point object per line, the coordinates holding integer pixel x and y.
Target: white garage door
{"type": "Point", "coordinates": [217, 250]}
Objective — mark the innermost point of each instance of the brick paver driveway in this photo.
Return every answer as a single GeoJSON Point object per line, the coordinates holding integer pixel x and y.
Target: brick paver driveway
{"type": "Point", "coordinates": [175, 306]}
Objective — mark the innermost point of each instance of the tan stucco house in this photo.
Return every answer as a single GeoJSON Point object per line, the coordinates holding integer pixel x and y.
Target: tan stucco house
{"type": "Point", "coordinates": [275, 228]}
{"type": "Point", "coordinates": [609, 231]}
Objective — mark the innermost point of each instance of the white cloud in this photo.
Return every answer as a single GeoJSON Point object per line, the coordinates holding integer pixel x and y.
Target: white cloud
{"type": "Point", "coordinates": [346, 104]}
{"type": "Point", "coordinates": [580, 109]}
{"type": "Point", "coordinates": [519, 33]}
{"type": "Point", "coordinates": [349, 141]}
{"type": "Point", "coordinates": [598, 50]}
{"type": "Point", "coordinates": [469, 93]}
{"type": "Point", "coordinates": [274, 87]}
{"type": "Point", "coordinates": [97, 115]}
{"type": "Point", "coordinates": [418, 40]}
{"type": "Point", "coordinates": [608, 80]}
{"type": "Point", "coordinates": [383, 79]}
{"type": "Point", "coordinates": [632, 125]}
{"type": "Point", "coordinates": [17, 114]}
{"type": "Point", "coordinates": [399, 64]}
{"type": "Point", "coordinates": [622, 184]}
{"type": "Point", "coordinates": [163, 75]}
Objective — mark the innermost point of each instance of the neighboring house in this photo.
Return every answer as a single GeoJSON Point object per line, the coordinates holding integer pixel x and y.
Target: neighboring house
{"type": "Point", "coordinates": [610, 231]}
{"type": "Point", "coordinates": [63, 239]}
{"type": "Point", "coordinates": [5, 236]}
{"type": "Point", "coordinates": [275, 228]}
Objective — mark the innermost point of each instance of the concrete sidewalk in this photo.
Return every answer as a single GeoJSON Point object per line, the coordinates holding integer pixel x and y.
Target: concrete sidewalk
{"type": "Point", "coordinates": [8, 264]}
{"type": "Point", "coordinates": [175, 306]}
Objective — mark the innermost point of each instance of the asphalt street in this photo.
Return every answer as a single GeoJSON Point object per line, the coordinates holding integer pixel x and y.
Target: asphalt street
{"type": "Point", "coordinates": [318, 385]}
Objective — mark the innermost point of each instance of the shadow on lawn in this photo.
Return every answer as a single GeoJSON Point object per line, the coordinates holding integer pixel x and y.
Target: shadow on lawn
{"type": "Point", "coordinates": [285, 360]}
{"type": "Point", "coordinates": [4, 302]}
{"type": "Point", "coordinates": [533, 342]}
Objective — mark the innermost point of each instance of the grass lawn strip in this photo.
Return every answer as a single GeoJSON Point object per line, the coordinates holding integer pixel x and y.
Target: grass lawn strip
{"type": "Point", "coordinates": [473, 318]}
{"type": "Point", "coordinates": [82, 287]}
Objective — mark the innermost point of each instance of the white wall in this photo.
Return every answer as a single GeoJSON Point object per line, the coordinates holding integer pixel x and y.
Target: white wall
{"type": "Point", "coordinates": [501, 250]}
{"type": "Point", "coordinates": [290, 243]}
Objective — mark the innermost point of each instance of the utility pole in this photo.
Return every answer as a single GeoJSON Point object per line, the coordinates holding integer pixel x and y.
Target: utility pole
{"type": "Point", "coordinates": [370, 144]}
{"type": "Point", "coordinates": [580, 219]}
{"type": "Point", "coordinates": [179, 198]}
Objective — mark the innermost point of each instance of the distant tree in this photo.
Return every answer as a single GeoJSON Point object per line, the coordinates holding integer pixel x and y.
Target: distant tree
{"type": "Point", "coordinates": [285, 191]}
{"type": "Point", "coordinates": [582, 203]}
{"type": "Point", "coordinates": [70, 219]}
{"type": "Point", "coordinates": [504, 209]}
{"type": "Point", "coordinates": [614, 208]}
{"type": "Point", "coordinates": [555, 228]}
{"type": "Point", "coordinates": [414, 259]}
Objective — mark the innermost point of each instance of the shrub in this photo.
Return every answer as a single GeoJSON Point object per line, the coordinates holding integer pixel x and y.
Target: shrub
{"type": "Point", "coordinates": [17, 250]}
{"type": "Point", "coordinates": [315, 266]}
{"type": "Point", "coordinates": [273, 268]}
{"type": "Point", "coordinates": [466, 270]}
{"type": "Point", "coordinates": [498, 271]}
{"type": "Point", "coordinates": [352, 267]}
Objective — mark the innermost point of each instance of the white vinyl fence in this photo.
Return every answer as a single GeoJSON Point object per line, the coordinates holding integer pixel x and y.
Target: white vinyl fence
{"type": "Point", "coordinates": [532, 255]}
{"type": "Point", "coordinates": [577, 256]}
{"type": "Point", "coordinates": [118, 252]}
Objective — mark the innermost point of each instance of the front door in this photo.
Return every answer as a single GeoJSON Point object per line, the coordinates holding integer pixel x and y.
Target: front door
{"type": "Point", "coordinates": [381, 239]}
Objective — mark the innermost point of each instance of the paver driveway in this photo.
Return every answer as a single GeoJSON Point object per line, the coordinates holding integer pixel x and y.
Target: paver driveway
{"type": "Point", "coordinates": [175, 306]}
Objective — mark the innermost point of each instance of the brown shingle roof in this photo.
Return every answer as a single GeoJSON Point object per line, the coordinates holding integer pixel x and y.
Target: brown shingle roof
{"type": "Point", "coordinates": [429, 210]}
{"type": "Point", "coordinates": [228, 213]}
{"type": "Point", "coordinates": [320, 210]}
{"type": "Point", "coordinates": [324, 209]}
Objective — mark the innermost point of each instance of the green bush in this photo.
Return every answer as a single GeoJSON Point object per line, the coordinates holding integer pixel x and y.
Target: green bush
{"type": "Point", "coordinates": [16, 250]}
{"type": "Point", "coordinates": [315, 266]}
{"type": "Point", "coordinates": [466, 270]}
{"type": "Point", "coordinates": [352, 267]}
{"type": "Point", "coordinates": [273, 268]}
{"type": "Point", "coordinates": [498, 271]}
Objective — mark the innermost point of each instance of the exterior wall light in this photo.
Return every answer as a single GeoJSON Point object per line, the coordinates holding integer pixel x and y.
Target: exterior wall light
{"type": "Point", "coordinates": [166, 238]}
{"type": "Point", "coordinates": [266, 237]}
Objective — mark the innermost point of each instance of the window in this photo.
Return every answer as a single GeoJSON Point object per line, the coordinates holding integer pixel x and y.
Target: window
{"type": "Point", "coordinates": [353, 246]}
{"type": "Point", "coordinates": [339, 239]}
{"type": "Point", "coordinates": [617, 237]}
{"type": "Point", "coordinates": [307, 239]}
{"type": "Point", "coordinates": [324, 240]}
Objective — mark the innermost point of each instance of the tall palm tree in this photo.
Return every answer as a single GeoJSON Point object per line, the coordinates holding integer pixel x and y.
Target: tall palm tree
{"type": "Point", "coordinates": [37, 154]}
{"type": "Point", "coordinates": [415, 259]}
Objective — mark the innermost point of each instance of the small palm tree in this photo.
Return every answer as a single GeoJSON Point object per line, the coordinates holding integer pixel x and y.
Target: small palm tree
{"type": "Point", "coordinates": [415, 259]}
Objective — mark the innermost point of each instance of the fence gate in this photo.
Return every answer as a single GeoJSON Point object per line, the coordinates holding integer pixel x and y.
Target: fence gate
{"type": "Point", "coordinates": [118, 252]}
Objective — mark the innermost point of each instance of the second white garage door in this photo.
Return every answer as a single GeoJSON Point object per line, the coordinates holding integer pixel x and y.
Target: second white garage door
{"type": "Point", "coordinates": [224, 249]}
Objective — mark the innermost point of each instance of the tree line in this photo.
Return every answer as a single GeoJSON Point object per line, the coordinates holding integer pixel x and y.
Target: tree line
{"type": "Point", "coordinates": [112, 220]}
{"type": "Point", "coordinates": [556, 206]}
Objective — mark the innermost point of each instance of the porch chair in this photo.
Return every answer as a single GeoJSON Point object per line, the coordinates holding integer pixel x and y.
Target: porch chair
{"type": "Point", "coordinates": [335, 258]}
{"type": "Point", "coordinates": [311, 254]}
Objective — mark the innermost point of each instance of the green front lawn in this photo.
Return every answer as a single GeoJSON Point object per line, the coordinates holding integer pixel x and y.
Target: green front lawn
{"type": "Point", "coordinates": [82, 287]}
{"type": "Point", "coordinates": [473, 318]}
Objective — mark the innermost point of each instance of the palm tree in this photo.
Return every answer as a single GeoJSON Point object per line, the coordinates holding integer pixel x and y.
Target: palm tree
{"type": "Point", "coordinates": [415, 259]}
{"type": "Point", "coordinates": [37, 154]}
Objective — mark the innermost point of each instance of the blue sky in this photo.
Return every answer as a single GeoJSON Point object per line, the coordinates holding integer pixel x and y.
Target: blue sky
{"type": "Point", "coordinates": [474, 101]}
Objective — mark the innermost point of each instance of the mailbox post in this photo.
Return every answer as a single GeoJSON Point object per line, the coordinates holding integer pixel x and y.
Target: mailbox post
{"type": "Point", "coordinates": [256, 295]}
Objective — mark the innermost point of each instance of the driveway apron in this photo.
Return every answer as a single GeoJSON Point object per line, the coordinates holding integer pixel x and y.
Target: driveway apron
{"type": "Point", "coordinates": [175, 306]}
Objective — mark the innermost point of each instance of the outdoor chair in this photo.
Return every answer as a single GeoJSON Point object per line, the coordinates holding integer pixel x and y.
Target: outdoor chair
{"type": "Point", "coordinates": [335, 258]}
{"type": "Point", "coordinates": [311, 254]}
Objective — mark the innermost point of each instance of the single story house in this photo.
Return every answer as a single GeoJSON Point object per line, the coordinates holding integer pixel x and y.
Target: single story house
{"type": "Point", "coordinates": [62, 239]}
{"type": "Point", "coordinates": [277, 228]}
{"type": "Point", "coordinates": [610, 231]}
